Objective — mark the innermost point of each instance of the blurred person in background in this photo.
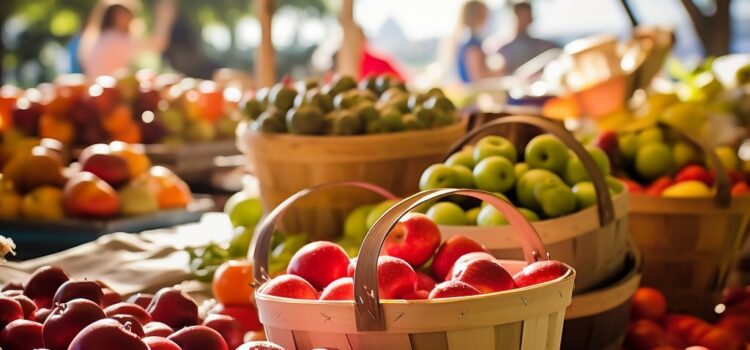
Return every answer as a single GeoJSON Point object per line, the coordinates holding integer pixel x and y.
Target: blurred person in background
{"type": "Point", "coordinates": [523, 46]}
{"type": "Point", "coordinates": [108, 42]}
{"type": "Point", "coordinates": [186, 53]}
{"type": "Point", "coordinates": [470, 59]}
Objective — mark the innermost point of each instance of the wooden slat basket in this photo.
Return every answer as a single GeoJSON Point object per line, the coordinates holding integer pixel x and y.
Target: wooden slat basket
{"type": "Point", "coordinates": [285, 164]}
{"type": "Point", "coordinates": [525, 318]}
{"type": "Point", "coordinates": [593, 240]}
{"type": "Point", "coordinates": [690, 245]}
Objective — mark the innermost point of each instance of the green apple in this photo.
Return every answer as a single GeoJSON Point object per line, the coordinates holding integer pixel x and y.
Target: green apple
{"type": "Point", "coordinates": [447, 213]}
{"type": "Point", "coordinates": [527, 183]}
{"type": "Point", "coordinates": [654, 160]}
{"type": "Point", "coordinates": [684, 154]}
{"type": "Point", "coordinates": [472, 215]}
{"type": "Point", "coordinates": [283, 252]}
{"type": "Point", "coordinates": [585, 194]}
{"type": "Point", "coordinates": [494, 174]}
{"type": "Point", "coordinates": [615, 186]}
{"type": "Point", "coordinates": [521, 168]}
{"type": "Point", "coordinates": [137, 200]}
{"type": "Point", "coordinates": [438, 176]}
{"type": "Point", "coordinates": [686, 116]}
{"type": "Point", "coordinates": [728, 157]}
{"type": "Point", "coordinates": [244, 209]}
{"type": "Point", "coordinates": [547, 152]}
{"type": "Point", "coordinates": [489, 216]}
{"type": "Point", "coordinates": [502, 196]}
{"type": "Point", "coordinates": [464, 176]}
{"type": "Point", "coordinates": [378, 210]}
{"type": "Point", "coordinates": [494, 146]}
{"type": "Point", "coordinates": [628, 145]}
{"type": "Point", "coordinates": [529, 214]}
{"type": "Point", "coordinates": [650, 135]}
{"type": "Point", "coordinates": [575, 172]}
{"type": "Point", "coordinates": [555, 199]}
{"type": "Point", "coordinates": [351, 246]}
{"type": "Point", "coordinates": [240, 242]}
{"type": "Point", "coordinates": [461, 158]}
{"type": "Point", "coordinates": [355, 224]}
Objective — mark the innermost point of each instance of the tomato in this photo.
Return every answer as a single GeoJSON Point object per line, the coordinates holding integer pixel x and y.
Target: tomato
{"type": "Point", "coordinates": [233, 283]}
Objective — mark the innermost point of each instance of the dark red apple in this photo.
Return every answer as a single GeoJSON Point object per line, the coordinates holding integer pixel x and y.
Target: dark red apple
{"type": "Point", "coordinates": [78, 289]}
{"type": "Point", "coordinates": [43, 283]}
{"type": "Point", "coordinates": [340, 289]}
{"type": "Point", "coordinates": [452, 289]}
{"type": "Point", "coordinates": [107, 334]}
{"type": "Point", "coordinates": [67, 320]}
{"type": "Point", "coordinates": [633, 187]}
{"type": "Point", "coordinates": [695, 172]}
{"type": "Point", "coordinates": [100, 161]}
{"type": "Point", "coordinates": [246, 315]}
{"type": "Point", "coordinates": [157, 329]}
{"type": "Point", "coordinates": [644, 334]}
{"type": "Point", "coordinates": [40, 315]}
{"type": "Point", "coordinates": [174, 308]}
{"type": "Point", "coordinates": [487, 276]}
{"type": "Point", "coordinates": [418, 295]}
{"type": "Point", "coordinates": [290, 286]}
{"type": "Point", "coordinates": [469, 257]}
{"type": "Point", "coordinates": [396, 278]}
{"type": "Point", "coordinates": [131, 324]}
{"type": "Point", "coordinates": [320, 263]}
{"type": "Point", "coordinates": [27, 305]}
{"type": "Point", "coordinates": [452, 249]}
{"type": "Point", "coordinates": [141, 299]}
{"type": "Point", "coordinates": [260, 345]}
{"type": "Point", "coordinates": [129, 309]}
{"type": "Point", "coordinates": [229, 328]}
{"type": "Point", "coordinates": [10, 310]}
{"type": "Point", "coordinates": [26, 115]}
{"type": "Point", "coordinates": [539, 272]}
{"type": "Point", "coordinates": [103, 94]}
{"type": "Point", "coordinates": [21, 335]}
{"type": "Point", "coordinates": [608, 142]}
{"type": "Point", "coordinates": [198, 338]}
{"type": "Point", "coordinates": [425, 282]}
{"type": "Point", "coordinates": [659, 185]}
{"type": "Point", "coordinates": [160, 343]}
{"type": "Point", "coordinates": [414, 239]}
{"type": "Point", "coordinates": [110, 297]}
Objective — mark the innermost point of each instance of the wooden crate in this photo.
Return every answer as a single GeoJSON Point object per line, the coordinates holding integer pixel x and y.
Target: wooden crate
{"type": "Point", "coordinates": [524, 318]}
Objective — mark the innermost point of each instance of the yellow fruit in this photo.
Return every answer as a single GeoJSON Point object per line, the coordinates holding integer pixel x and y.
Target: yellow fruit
{"type": "Point", "coordinates": [10, 204]}
{"type": "Point", "coordinates": [687, 189]}
{"type": "Point", "coordinates": [728, 157]}
{"type": "Point", "coordinates": [686, 116]}
{"type": "Point", "coordinates": [43, 203]}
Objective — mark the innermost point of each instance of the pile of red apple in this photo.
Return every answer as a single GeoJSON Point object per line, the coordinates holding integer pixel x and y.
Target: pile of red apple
{"type": "Point", "coordinates": [52, 311]}
{"type": "Point", "coordinates": [653, 328]}
{"type": "Point", "coordinates": [460, 267]}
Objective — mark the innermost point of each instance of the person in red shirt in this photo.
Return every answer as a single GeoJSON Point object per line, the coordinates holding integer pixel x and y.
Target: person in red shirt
{"type": "Point", "coordinates": [376, 63]}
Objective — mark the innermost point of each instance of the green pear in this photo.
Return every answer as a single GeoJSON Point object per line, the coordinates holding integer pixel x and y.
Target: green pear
{"type": "Point", "coordinates": [378, 210]}
{"type": "Point", "coordinates": [355, 224]}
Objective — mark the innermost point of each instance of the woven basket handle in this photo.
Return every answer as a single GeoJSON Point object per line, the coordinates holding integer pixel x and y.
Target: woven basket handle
{"type": "Point", "coordinates": [368, 312]}
{"type": "Point", "coordinates": [260, 245]}
{"type": "Point", "coordinates": [605, 207]}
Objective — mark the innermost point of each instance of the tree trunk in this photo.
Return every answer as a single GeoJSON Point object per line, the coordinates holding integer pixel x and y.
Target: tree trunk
{"type": "Point", "coordinates": [714, 30]}
{"type": "Point", "coordinates": [265, 62]}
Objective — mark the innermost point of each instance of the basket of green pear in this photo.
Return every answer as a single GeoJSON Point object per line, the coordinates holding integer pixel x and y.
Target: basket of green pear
{"type": "Point", "coordinates": [382, 299]}
{"type": "Point", "coordinates": [689, 212]}
{"type": "Point", "coordinates": [301, 135]}
{"type": "Point", "coordinates": [557, 183]}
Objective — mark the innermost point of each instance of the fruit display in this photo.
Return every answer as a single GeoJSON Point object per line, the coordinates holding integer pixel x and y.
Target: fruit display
{"type": "Point", "coordinates": [377, 104]}
{"type": "Point", "coordinates": [110, 180]}
{"type": "Point", "coordinates": [134, 108]}
{"type": "Point", "coordinates": [51, 310]}
{"type": "Point", "coordinates": [651, 327]}
{"type": "Point", "coordinates": [548, 182]}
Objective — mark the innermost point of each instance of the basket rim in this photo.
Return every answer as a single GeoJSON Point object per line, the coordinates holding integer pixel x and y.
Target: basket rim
{"type": "Point", "coordinates": [645, 204]}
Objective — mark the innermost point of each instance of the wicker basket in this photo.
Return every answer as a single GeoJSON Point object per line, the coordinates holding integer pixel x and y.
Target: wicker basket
{"type": "Point", "coordinates": [285, 164]}
{"type": "Point", "coordinates": [598, 320]}
{"type": "Point", "coordinates": [593, 241]}
{"type": "Point", "coordinates": [690, 245]}
{"type": "Point", "coordinates": [524, 318]}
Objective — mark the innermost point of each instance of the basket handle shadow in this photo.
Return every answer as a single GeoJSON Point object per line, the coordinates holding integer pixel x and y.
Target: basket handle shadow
{"type": "Point", "coordinates": [605, 207]}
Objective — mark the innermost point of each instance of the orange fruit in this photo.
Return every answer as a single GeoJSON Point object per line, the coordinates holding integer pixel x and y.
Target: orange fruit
{"type": "Point", "coordinates": [129, 134]}
{"type": "Point", "coordinates": [233, 283]}
{"type": "Point", "coordinates": [55, 128]}
{"type": "Point", "coordinates": [119, 119]}
{"type": "Point", "coordinates": [138, 162]}
{"type": "Point", "coordinates": [648, 303]}
{"type": "Point", "coordinates": [175, 194]}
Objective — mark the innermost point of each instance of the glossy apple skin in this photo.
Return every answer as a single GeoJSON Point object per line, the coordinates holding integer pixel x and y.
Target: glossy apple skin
{"type": "Point", "coordinates": [229, 328]}
{"type": "Point", "coordinates": [246, 315]}
{"type": "Point", "coordinates": [487, 276]}
{"type": "Point", "coordinates": [340, 289]}
{"type": "Point", "coordinates": [111, 168]}
{"type": "Point", "coordinates": [320, 263]}
{"type": "Point", "coordinates": [290, 286]}
{"type": "Point", "coordinates": [469, 257]}
{"type": "Point", "coordinates": [107, 334]}
{"type": "Point", "coordinates": [539, 272]}
{"type": "Point", "coordinates": [425, 282]}
{"type": "Point", "coordinates": [695, 172]}
{"type": "Point", "coordinates": [42, 285]}
{"type": "Point", "coordinates": [40, 315]}
{"type": "Point", "coordinates": [86, 195]}
{"type": "Point", "coordinates": [157, 329]}
{"type": "Point", "coordinates": [134, 310]}
{"type": "Point", "coordinates": [78, 289]}
{"type": "Point", "coordinates": [198, 338]}
{"type": "Point", "coordinates": [67, 320]}
{"type": "Point", "coordinates": [452, 289]}
{"type": "Point", "coordinates": [130, 323]}
{"type": "Point", "coordinates": [450, 251]}
{"type": "Point", "coordinates": [160, 343]}
{"type": "Point", "coordinates": [22, 335]}
{"type": "Point", "coordinates": [414, 239]}
{"type": "Point", "coordinates": [141, 299]}
{"type": "Point", "coordinates": [10, 310]}
{"type": "Point", "coordinates": [28, 306]}
{"type": "Point", "coordinates": [396, 278]}
{"type": "Point", "coordinates": [110, 297]}
{"type": "Point", "coordinates": [173, 308]}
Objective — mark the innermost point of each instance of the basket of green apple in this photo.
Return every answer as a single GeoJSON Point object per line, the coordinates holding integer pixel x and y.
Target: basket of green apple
{"type": "Point", "coordinates": [563, 187]}
{"type": "Point", "coordinates": [297, 136]}
{"type": "Point", "coordinates": [381, 299]}
{"type": "Point", "coordinates": [689, 213]}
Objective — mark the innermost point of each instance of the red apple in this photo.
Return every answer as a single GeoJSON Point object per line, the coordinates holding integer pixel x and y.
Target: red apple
{"type": "Point", "coordinates": [12, 286]}
{"type": "Point", "coordinates": [174, 308]}
{"type": "Point", "coordinates": [418, 295]}
{"type": "Point", "coordinates": [260, 345]}
{"type": "Point", "coordinates": [86, 195]}
{"type": "Point", "coordinates": [21, 335]}
{"type": "Point", "coordinates": [28, 306]}
{"type": "Point", "coordinates": [487, 276]}
{"type": "Point", "coordinates": [141, 299]}
{"type": "Point", "coordinates": [40, 315]}
{"type": "Point", "coordinates": [644, 335]}
{"type": "Point", "coordinates": [10, 310]}
{"type": "Point", "coordinates": [198, 338]}
{"type": "Point", "coordinates": [103, 94]}
{"type": "Point", "coordinates": [110, 297]}
{"type": "Point", "coordinates": [42, 285]}
{"type": "Point", "coordinates": [134, 310]}
{"type": "Point", "coordinates": [67, 320]}
{"type": "Point", "coordinates": [396, 278]}
{"type": "Point", "coordinates": [736, 176]}
{"type": "Point", "coordinates": [452, 289]}
{"type": "Point", "coordinates": [352, 267]}
{"type": "Point", "coordinates": [682, 325]}
{"type": "Point", "coordinates": [99, 160]}
{"type": "Point", "coordinates": [633, 187]}
{"type": "Point", "coordinates": [159, 343]}
{"type": "Point", "coordinates": [740, 189]}
{"type": "Point", "coordinates": [658, 186]}
{"type": "Point", "coordinates": [607, 142]}
{"type": "Point", "coordinates": [695, 172]}
{"type": "Point", "coordinates": [738, 324]}
{"type": "Point", "coordinates": [131, 324]}
{"type": "Point", "coordinates": [721, 339]}
{"type": "Point", "coordinates": [320, 263]}
{"type": "Point", "coordinates": [414, 239]}
{"type": "Point", "coordinates": [466, 258]}
{"type": "Point", "coordinates": [290, 286]}
{"type": "Point", "coordinates": [425, 282]}
{"type": "Point", "coordinates": [229, 328]}
{"type": "Point", "coordinates": [157, 329]}
{"type": "Point", "coordinates": [107, 334]}
{"type": "Point", "coordinates": [246, 315]}
{"type": "Point", "coordinates": [452, 249]}
{"type": "Point", "coordinates": [340, 289]}
{"type": "Point", "coordinates": [648, 303]}
{"type": "Point", "coordinates": [78, 289]}
{"type": "Point", "coordinates": [539, 272]}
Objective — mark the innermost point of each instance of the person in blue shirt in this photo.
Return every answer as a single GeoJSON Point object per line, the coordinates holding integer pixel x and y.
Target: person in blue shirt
{"type": "Point", "coordinates": [523, 46]}
{"type": "Point", "coordinates": [471, 59]}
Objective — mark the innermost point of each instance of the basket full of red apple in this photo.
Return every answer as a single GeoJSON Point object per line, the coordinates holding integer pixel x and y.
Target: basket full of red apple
{"type": "Point", "coordinates": [564, 188]}
{"type": "Point", "coordinates": [383, 299]}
